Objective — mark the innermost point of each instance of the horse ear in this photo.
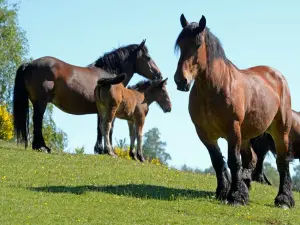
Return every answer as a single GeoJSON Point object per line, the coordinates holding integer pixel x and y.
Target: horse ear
{"type": "Point", "coordinates": [163, 82]}
{"type": "Point", "coordinates": [142, 45]}
{"type": "Point", "coordinates": [202, 24]}
{"type": "Point", "coordinates": [183, 21]}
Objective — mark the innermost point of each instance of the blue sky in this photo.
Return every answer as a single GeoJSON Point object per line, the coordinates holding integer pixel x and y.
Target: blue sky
{"type": "Point", "coordinates": [78, 32]}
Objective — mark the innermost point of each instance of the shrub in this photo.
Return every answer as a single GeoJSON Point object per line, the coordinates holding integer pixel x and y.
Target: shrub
{"type": "Point", "coordinates": [6, 124]}
{"type": "Point", "coordinates": [79, 150]}
{"type": "Point", "coordinates": [124, 153]}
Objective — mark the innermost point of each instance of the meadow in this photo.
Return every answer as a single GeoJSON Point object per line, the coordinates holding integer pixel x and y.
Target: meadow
{"type": "Point", "coordinates": [40, 188]}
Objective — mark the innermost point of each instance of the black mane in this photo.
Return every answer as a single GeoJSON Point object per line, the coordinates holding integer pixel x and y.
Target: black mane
{"type": "Point", "coordinates": [214, 49]}
{"type": "Point", "coordinates": [143, 85]}
{"type": "Point", "coordinates": [112, 61]}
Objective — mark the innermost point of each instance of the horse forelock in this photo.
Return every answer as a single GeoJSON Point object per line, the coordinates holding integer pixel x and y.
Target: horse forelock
{"type": "Point", "coordinates": [214, 48]}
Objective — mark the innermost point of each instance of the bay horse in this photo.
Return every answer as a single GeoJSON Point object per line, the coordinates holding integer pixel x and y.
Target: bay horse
{"type": "Point", "coordinates": [234, 104]}
{"type": "Point", "coordinates": [132, 104]}
{"type": "Point", "coordinates": [262, 144]}
{"type": "Point", "coordinates": [71, 88]}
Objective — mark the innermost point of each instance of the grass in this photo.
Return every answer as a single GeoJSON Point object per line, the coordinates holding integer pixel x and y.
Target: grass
{"type": "Point", "coordinates": [39, 188]}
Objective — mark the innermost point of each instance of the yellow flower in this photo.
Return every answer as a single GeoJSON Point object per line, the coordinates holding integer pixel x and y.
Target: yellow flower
{"type": "Point", "coordinates": [124, 153]}
{"type": "Point", "coordinates": [6, 124]}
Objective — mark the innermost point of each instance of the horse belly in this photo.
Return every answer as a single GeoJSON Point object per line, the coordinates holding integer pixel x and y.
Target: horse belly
{"type": "Point", "coordinates": [259, 117]}
{"type": "Point", "coordinates": [124, 112]}
{"type": "Point", "coordinates": [73, 101]}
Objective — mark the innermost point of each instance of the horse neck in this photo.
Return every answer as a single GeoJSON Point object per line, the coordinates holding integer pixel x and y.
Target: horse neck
{"type": "Point", "coordinates": [149, 98]}
{"type": "Point", "coordinates": [217, 77]}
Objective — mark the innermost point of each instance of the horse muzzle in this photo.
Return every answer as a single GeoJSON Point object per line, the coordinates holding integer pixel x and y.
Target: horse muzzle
{"type": "Point", "coordinates": [167, 110]}
{"type": "Point", "coordinates": [183, 86]}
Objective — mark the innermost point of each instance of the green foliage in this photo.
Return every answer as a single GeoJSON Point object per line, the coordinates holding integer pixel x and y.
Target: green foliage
{"type": "Point", "coordinates": [271, 173]}
{"type": "Point", "coordinates": [154, 147]}
{"type": "Point", "coordinates": [13, 52]}
{"type": "Point", "coordinates": [13, 49]}
{"type": "Point", "coordinates": [38, 188]}
{"type": "Point", "coordinates": [79, 150]}
{"type": "Point", "coordinates": [121, 143]}
{"type": "Point", "coordinates": [55, 138]}
{"type": "Point", "coordinates": [210, 170]}
{"type": "Point", "coordinates": [296, 178]}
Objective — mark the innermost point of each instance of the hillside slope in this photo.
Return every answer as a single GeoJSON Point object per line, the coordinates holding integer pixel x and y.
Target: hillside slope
{"type": "Point", "coordinates": [38, 188]}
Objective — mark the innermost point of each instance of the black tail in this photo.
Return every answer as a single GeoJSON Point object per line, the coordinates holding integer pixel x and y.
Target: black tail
{"type": "Point", "coordinates": [21, 107]}
{"type": "Point", "coordinates": [111, 81]}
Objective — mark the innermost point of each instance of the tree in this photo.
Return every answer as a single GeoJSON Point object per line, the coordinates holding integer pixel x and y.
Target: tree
{"type": "Point", "coordinates": [13, 49]}
{"type": "Point", "coordinates": [186, 168]}
{"type": "Point", "coordinates": [13, 52]}
{"type": "Point", "coordinates": [271, 173]}
{"type": "Point", "coordinates": [210, 170]}
{"type": "Point", "coordinates": [296, 178]}
{"type": "Point", "coordinates": [55, 138]}
{"type": "Point", "coordinates": [153, 147]}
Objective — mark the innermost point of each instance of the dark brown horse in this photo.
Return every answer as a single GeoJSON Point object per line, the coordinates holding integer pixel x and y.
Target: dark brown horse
{"type": "Point", "coordinates": [236, 105]}
{"type": "Point", "coordinates": [71, 88]}
{"type": "Point", "coordinates": [132, 104]}
{"type": "Point", "coordinates": [262, 144]}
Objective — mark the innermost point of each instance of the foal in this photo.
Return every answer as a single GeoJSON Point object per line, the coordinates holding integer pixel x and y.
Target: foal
{"type": "Point", "coordinates": [132, 104]}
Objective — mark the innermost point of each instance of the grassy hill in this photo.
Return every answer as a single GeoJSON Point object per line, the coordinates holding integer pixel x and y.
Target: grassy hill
{"type": "Point", "coordinates": [38, 188]}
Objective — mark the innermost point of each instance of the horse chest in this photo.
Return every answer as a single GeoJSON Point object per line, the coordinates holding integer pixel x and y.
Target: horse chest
{"type": "Point", "coordinates": [208, 113]}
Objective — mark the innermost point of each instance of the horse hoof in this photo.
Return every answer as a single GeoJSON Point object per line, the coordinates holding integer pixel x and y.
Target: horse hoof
{"type": "Point", "coordinates": [133, 156]}
{"type": "Point", "coordinates": [112, 155]}
{"type": "Point", "coordinates": [284, 201]}
{"type": "Point", "coordinates": [98, 150]}
{"type": "Point", "coordinates": [225, 202]}
{"type": "Point", "coordinates": [142, 159]}
{"type": "Point", "coordinates": [43, 149]}
{"type": "Point", "coordinates": [285, 207]}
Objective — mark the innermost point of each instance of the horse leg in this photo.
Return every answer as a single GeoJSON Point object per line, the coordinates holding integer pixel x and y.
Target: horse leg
{"type": "Point", "coordinates": [38, 142]}
{"type": "Point", "coordinates": [106, 127]}
{"type": "Point", "coordinates": [239, 191]}
{"type": "Point", "coordinates": [249, 161]}
{"type": "Point", "coordinates": [98, 149]}
{"type": "Point", "coordinates": [132, 140]}
{"type": "Point", "coordinates": [261, 145]}
{"type": "Point", "coordinates": [139, 135]}
{"type": "Point", "coordinates": [284, 197]}
{"type": "Point", "coordinates": [222, 173]}
{"type": "Point", "coordinates": [111, 132]}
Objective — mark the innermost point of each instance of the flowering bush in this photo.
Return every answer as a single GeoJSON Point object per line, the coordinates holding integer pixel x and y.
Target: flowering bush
{"type": "Point", "coordinates": [6, 124]}
{"type": "Point", "coordinates": [124, 153]}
